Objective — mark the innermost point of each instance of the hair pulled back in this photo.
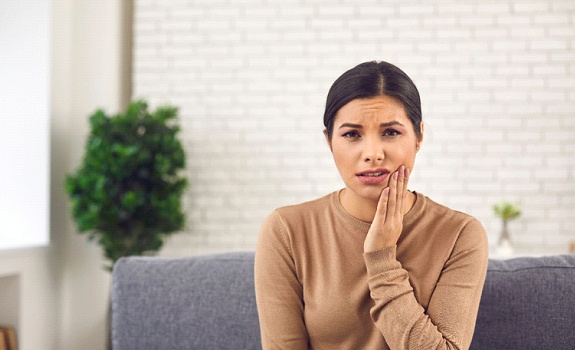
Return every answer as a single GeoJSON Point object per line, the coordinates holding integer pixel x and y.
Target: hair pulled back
{"type": "Point", "coordinates": [372, 79]}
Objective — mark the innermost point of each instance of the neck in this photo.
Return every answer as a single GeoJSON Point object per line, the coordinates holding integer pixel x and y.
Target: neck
{"type": "Point", "coordinates": [364, 209]}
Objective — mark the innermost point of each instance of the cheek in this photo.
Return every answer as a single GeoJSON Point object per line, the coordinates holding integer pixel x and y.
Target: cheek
{"type": "Point", "coordinates": [410, 158]}
{"type": "Point", "coordinates": [344, 158]}
{"type": "Point", "coordinates": [404, 154]}
{"type": "Point", "coordinates": [340, 160]}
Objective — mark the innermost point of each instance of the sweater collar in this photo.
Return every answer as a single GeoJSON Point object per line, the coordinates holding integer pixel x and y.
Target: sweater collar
{"type": "Point", "coordinates": [409, 217]}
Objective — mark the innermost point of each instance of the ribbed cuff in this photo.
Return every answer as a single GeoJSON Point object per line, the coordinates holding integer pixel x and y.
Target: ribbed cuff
{"type": "Point", "coordinates": [381, 260]}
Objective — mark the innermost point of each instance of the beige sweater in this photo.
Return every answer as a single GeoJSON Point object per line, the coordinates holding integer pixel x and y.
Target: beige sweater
{"type": "Point", "coordinates": [316, 289]}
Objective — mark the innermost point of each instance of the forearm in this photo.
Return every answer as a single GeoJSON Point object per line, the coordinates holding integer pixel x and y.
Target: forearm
{"type": "Point", "coordinates": [448, 321]}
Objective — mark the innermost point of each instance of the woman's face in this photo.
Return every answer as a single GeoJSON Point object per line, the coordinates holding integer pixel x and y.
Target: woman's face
{"type": "Point", "coordinates": [371, 139]}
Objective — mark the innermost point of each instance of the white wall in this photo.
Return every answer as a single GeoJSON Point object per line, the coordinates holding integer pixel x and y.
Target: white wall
{"type": "Point", "coordinates": [497, 80]}
{"type": "Point", "coordinates": [86, 70]}
{"type": "Point", "coordinates": [63, 290]}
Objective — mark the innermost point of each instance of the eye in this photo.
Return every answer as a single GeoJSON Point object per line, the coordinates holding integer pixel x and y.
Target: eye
{"type": "Point", "coordinates": [391, 132]}
{"type": "Point", "coordinates": [353, 134]}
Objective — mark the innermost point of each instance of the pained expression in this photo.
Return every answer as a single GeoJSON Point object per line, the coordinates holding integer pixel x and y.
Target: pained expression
{"type": "Point", "coordinates": [371, 139]}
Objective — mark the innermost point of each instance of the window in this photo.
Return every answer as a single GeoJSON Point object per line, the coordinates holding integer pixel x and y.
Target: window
{"type": "Point", "coordinates": [24, 123]}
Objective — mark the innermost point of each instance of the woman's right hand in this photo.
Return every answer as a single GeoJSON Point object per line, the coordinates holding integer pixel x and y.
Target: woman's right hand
{"type": "Point", "coordinates": [388, 221]}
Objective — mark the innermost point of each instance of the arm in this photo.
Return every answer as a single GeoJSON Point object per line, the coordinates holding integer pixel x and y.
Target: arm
{"type": "Point", "coordinates": [449, 321]}
{"type": "Point", "coordinates": [279, 293]}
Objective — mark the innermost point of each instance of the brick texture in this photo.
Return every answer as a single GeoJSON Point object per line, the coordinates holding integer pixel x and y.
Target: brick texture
{"type": "Point", "coordinates": [497, 80]}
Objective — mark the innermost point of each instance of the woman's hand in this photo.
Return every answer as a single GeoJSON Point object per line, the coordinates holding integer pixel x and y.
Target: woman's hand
{"type": "Point", "coordinates": [388, 221]}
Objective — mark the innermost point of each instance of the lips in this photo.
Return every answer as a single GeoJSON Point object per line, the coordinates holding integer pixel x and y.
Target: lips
{"type": "Point", "coordinates": [373, 176]}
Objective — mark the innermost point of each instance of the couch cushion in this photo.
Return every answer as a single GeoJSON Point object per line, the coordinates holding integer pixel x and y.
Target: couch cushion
{"type": "Point", "coordinates": [205, 302]}
{"type": "Point", "coordinates": [527, 303]}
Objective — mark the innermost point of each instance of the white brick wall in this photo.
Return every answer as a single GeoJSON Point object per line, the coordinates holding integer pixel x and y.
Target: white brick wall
{"type": "Point", "coordinates": [497, 80]}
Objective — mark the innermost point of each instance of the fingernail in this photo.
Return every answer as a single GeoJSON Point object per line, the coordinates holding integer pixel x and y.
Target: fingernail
{"type": "Point", "coordinates": [395, 176]}
{"type": "Point", "coordinates": [406, 173]}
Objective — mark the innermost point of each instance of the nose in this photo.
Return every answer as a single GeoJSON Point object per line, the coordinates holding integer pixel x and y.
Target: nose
{"type": "Point", "coordinates": [373, 151]}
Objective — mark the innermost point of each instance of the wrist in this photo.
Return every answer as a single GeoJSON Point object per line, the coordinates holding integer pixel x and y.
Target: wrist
{"type": "Point", "coordinates": [369, 246]}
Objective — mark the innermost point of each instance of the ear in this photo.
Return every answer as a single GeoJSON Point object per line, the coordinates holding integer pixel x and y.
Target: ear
{"type": "Point", "coordinates": [327, 139]}
{"type": "Point", "coordinates": [420, 139]}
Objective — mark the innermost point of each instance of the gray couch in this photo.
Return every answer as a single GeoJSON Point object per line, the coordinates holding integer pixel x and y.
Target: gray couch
{"type": "Point", "coordinates": [208, 302]}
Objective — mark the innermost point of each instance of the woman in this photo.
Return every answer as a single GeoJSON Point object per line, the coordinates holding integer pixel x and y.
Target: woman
{"type": "Point", "coordinates": [372, 266]}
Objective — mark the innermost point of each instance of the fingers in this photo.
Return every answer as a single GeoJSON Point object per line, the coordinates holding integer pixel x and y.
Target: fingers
{"type": "Point", "coordinates": [397, 192]}
{"type": "Point", "coordinates": [401, 185]}
{"type": "Point", "coordinates": [392, 201]}
{"type": "Point", "coordinates": [383, 203]}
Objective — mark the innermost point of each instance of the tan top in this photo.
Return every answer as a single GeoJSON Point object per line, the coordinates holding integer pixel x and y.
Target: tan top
{"type": "Point", "coordinates": [316, 289]}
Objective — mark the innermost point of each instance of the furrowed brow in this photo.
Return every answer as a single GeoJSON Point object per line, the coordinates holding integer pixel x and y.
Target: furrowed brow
{"type": "Point", "coordinates": [350, 125]}
{"type": "Point", "coordinates": [391, 123]}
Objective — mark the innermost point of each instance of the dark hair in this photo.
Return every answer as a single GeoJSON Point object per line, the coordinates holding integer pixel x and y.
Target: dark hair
{"type": "Point", "coordinates": [372, 79]}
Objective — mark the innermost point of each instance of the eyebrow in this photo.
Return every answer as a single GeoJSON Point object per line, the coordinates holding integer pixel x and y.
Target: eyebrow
{"type": "Point", "coordinates": [359, 126]}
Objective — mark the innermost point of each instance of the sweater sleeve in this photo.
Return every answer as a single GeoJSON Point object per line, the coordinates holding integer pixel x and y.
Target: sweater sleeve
{"type": "Point", "coordinates": [449, 321]}
{"type": "Point", "coordinates": [279, 293]}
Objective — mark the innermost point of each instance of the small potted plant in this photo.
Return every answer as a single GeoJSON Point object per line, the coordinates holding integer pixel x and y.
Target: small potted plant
{"type": "Point", "coordinates": [506, 211]}
{"type": "Point", "coordinates": [127, 192]}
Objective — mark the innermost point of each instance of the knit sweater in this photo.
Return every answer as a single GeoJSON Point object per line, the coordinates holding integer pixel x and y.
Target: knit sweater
{"type": "Point", "coordinates": [317, 289]}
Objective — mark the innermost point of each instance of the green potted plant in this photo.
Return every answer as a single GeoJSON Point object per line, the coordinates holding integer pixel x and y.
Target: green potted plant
{"type": "Point", "coordinates": [127, 192]}
{"type": "Point", "coordinates": [506, 211]}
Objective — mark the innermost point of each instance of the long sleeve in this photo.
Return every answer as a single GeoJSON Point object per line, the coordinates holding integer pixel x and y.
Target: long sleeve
{"type": "Point", "coordinates": [278, 290]}
{"type": "Point", "coordinates": [449, 320]}
{"type": "Point", "coordinates": [315, 289]}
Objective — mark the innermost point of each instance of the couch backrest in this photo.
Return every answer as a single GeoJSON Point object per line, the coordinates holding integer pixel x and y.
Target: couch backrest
{"type": "Point", "coordinates": [208, 302]}
{"type": "Point", "coordinates": [527, 303]}
{"type": "Point", "coordinates": [205, 302]}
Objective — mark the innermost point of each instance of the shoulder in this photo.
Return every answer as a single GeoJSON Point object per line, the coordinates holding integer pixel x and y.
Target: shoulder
{"type": "Point", "coordinates": [469, 232]}
{"type": "Point", "coordinates": [312, 205]}
{"type": "Point", "coordinates": [302, 212]}
{"type": "Point", "coordinates": [441, 214]}
{"type": "Point", "coordinates": [298, 217]}
{"type": "Point", "coordinates": [442, 224]}
{"type": "Point", "coordinates": [289, 228]}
